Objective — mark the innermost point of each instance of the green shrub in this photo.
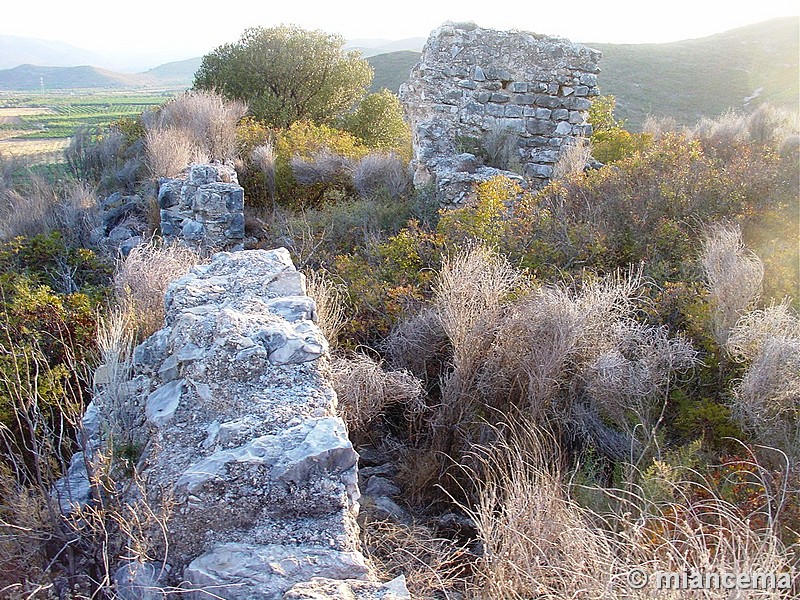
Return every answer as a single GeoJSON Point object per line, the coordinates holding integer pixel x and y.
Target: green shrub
{"type": "Point", "coordinates": [610, 141]}
{"type": "Point", "coordinates": [378, 122]}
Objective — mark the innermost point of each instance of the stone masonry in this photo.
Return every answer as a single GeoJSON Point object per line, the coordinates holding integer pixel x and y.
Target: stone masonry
{"type": "Point", "coordinates": [205, 210]}
{"type": "Point", "coordinates": [472, 83]}
{"type": "Point", "coordinates": [241, 438]}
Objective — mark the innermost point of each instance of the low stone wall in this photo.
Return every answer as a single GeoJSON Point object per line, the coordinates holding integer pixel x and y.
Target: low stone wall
{"type": "Point", "coordinates": [242, 440]}
{"type": "Point", "coordinates": [205, 209]}
{"type": "Point", "coordinates": [472, 84]}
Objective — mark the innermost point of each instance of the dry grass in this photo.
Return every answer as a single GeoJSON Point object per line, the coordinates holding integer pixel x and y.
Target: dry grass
{"type": "Point", "coordinates": [572, 160]}
{"type": "Point", "coordinates": [142, 279]}
{"type": "Point", "coordinates": [766, 124]}
{"type": "Point", "coordinates": [538, 542]}
{"type": "Point", "coordinates": [169, 151]}
{"type": "Point", "coordinates": [766, 401]}
{"type": "Point", "coordinates": [206, 120]}
{"type": "Point", "coordinates": [733, 274]}
{"type": "Point", "coordinates": [433, 566]}
{"type": "Point", "coordinates": [263, 158]}
{"type": "Point", "coordinates": [381, 175]}
{"type": "Point", "coordinates": [194, 127]}
{"type": "Point", "coordinates": [500, 147]}
{"type": "Point", "coordinates": [329, 298]}
{"type": "Point", "coordinates": [419, 345]}
{"type": "Point", "coordinates": [115, 338]}
{"type": "Point", "coordinates": [366, 391]}
{"type": "Point", "coordinates": [42, 209]}
{"type": "Point", "coordinates": [578, 359]}
{"type": "Point", "coordinates": [324, 167]}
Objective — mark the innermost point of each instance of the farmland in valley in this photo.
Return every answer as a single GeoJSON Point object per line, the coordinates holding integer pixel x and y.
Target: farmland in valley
{"type": "Point", "coordinates": [38, 126]}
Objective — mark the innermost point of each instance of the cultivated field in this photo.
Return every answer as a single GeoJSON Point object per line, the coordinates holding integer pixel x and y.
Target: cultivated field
{"type": "Point", "coordinates": [38, 126]}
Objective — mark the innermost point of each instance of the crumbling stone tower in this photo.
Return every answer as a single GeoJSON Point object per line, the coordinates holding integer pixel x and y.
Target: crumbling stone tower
{"type": "Point", "coordinates": [472, 84]}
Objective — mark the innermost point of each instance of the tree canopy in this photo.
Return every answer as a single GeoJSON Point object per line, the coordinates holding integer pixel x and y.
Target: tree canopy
{"type": "Point", "coordinates": [286, 74]}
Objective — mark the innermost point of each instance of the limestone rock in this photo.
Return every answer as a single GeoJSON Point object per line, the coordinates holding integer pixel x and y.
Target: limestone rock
{"type": "Point", "coordinates": [331, 589]}
{"type": "Point", "coordinates": [271, 570]}
{"type": "Point", "coordinates": [241, 434]}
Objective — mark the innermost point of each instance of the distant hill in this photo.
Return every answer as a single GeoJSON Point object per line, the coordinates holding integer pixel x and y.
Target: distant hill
{"type": "Point", "coordinates": [32, 77]}
{"type": "Point", "coordinates": [392, 69]}
{"type": "Point", "coordinates": [685, 80]}
{"type": "Point", "coordinates": [691, 79]}
{"type": "Point", "coordinates": [374, 47]}
{"type": "Point", "coordinates": [15, 51]}
{"type": "Point", "coordinates": [179, 73]}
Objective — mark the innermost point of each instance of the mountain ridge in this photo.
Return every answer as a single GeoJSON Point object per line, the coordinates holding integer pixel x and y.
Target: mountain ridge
{"type": "Point", "coordinates": [684, 80]}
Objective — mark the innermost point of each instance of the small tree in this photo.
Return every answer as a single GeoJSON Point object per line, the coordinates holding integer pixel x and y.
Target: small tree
{"type": "Point", "coordinates": [379, 123]}
{"type": "Point", "coordinates": [286, 74]}
{"type": "Point", "coordinates": [610, 140]}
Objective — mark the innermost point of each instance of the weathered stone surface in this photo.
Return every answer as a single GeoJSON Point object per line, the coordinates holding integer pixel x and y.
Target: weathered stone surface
{"type": "Point", "coordinates": [270, 570]}
{"type": "Point", "coordinates": [74, 491]}
{"type": "Point", "coordinates": [331, 589]}
{"type": "Point", "coordinates": [204, 209]}
{"type": "Point", "coordinates": [162, 403]}
{"type": "Point", "coordinates": [241, 435]}
{"type": "Point", "coordinates": [472, 83]}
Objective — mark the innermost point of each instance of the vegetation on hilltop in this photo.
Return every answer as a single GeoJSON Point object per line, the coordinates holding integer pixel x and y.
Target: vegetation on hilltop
{"type": "Point", "coordinates": [705, 77]}
{"type": "Point", "coordinates": [286, 74]}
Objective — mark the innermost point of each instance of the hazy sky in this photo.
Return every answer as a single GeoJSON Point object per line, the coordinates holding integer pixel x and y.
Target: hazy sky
{"type": "Point", "coordinates": [180, 30]}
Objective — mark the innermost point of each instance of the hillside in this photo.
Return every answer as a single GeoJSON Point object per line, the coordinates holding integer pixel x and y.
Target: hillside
{"type": "Point", "coordinates": [15, 51]}
{"type": "Point", "coordinates": [392, 69]}
{"type": "Point", "coordinates": [180, 73]}
{"type": "Point", "coordinates": [690, 79]}
{"type": "Point", "coordinates": [32, 77]}
{"type": "Point", "coordinates": [369, 48]}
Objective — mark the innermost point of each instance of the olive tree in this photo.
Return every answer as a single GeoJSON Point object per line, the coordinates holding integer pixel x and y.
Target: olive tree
{"type": "Point", "coordinates": [286, 74]}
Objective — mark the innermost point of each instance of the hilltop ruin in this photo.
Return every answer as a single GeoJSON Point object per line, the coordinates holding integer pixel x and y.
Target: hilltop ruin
{"type": "Point", "coordinates": [484, 92]}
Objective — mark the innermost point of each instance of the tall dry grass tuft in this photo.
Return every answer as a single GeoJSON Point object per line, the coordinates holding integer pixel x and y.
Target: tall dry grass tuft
{"type": "Point", "coordinates": [115, 338]}
{"type": "Point", "coordinates": [538, 542]}
{"type": "Point", "coordinates": [197, 126]}
{"type": "Point", "coordinates": [576, 359]}
{"type": "Point", "coordinates": [500, 147]}
{"type": "Point", "coordinates": [206, 119]}
{"type": "Point", "coordinates": [379, 174]}
{"type": "Point", "coordinates": [733, 274]}
{"type": "Point", "coordinates": [142, 279]}
{"type": "Point", "coordinates": [469, 297]}
{"type": "Point", "coordinates": [264, 157]}
{"type": "Point", "coordinates": [322, 167]}
{"type": "Point", "coordinates": [572, 160]}
{"type": "Point", "coordinates": [433, 566]}
{"type": "Point", "coordinates": [765, 125]}
{"type": "Point", "coordinates": [170, 150]}
{"type": "Point", "coordinates": [329, 298]}
{"type": "Point", "coordinates": [766, 401]}
{"type": "Point", "coordinates": [366, 390]}
{"type": "Point", "coordinates": [43, 208]}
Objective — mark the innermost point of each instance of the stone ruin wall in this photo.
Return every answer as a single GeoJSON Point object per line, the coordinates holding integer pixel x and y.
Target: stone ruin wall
{"type": "Point", "coordinates": [241, 437]}
{"type": "Point", "coordinates": [471, 83]}
{"type": "Point", "coordinates": [204, 209]}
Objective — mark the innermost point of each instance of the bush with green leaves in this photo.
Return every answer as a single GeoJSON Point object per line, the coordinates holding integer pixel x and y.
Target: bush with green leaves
{"type": "Point", "coordinates": [286, 74]}
{"type": "Point", "coordinates": [610, 140]}
{"type": "Point", "coordinates": [379, 123]}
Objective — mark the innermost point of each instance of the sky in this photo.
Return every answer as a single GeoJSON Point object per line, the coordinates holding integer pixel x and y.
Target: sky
{"type": "Point", "coordinates": [159, 30]}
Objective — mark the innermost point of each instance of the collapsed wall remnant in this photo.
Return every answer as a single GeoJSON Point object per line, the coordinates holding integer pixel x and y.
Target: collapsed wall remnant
{"type": "Point", "coordinates": [241, 438]}
{"type": "Point", "coordinates": [510, 97]}
{"type": "Point", "coordinates": [205, 209]}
